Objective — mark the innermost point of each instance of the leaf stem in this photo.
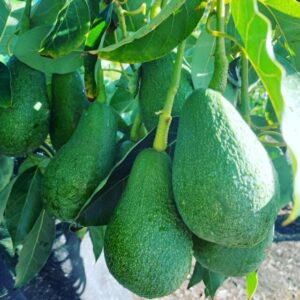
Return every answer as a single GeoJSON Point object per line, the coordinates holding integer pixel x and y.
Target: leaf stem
{"type": "Point", "coordinates": [121, 16]}
{"type": "Point", "coordinates": [245, 103]}
{"type": "Point", "coordinates": [25, 21]}
{"type": "Point", "coordinates": [165, 118]}
{"type": "Point", "coordinates": [219, 79]}
{"type": "Point", "coordinates": [137, 130]}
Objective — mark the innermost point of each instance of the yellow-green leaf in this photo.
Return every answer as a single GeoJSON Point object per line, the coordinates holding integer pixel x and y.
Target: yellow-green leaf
{"type": "Point", "coordinates": [252, 283]}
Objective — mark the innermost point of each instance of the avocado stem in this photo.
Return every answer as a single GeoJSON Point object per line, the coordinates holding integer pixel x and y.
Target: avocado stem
{"type": "Point", "coordinates": [219, 78]}
{"type": "Point", "coordinates": [101, 93]}
{"type": "Point", "coordinates": [137, 127]}
{"type": "Point", "coordinates": [25, 21]}
{"type": "Point", "coordinates": [245, 103]}
{"type": "Point", "coordinates": [165, 118]}
{"type": "Point", "coordinates": [121, 16]}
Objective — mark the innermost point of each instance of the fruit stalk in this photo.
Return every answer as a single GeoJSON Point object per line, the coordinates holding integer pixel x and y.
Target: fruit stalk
{"type": "Point", "coordinates": [101, 93]}
{"type": "Point", "coordinates": [121, 16]}
{"type": "Point", "coordinates": [165, 118]}
{"type": "Point", "coordinates": [245, 106]}
{"type": "Point", "coordinates": [219, 79]}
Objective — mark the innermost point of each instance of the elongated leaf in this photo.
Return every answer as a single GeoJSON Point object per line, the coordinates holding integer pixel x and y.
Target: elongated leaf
{"type": "Point", "coordinates": [287, 17]}
{"type": "Point", "coordinates": [290, 129]}
{"type": "Point", "coordinates": [252, 283]}
{"type": "Point", "coordinates": [4, 195]}
{"type": "Point", "coordinates": [203, 59]}
{"type": "Point", "coordinates": [32, 207]}
{"type": "Point", "coordinates": [16, 201]}
{"type": "Point", "coordinates": [97, 236]}
{"type": "Point", "coordinates": [212, 282]}
{"type": "Point", "coordinates": [36, 249]}
{"type": "Point", "coordinates": [45, 12]}
{"type": "Point", "coordinates": [27, 48]}
{"type": "Point", "coordinates": [255, 31]}
{"type": "Point", "coordinates": [5, 10]}
{"type": "Point", "coordinates": [6, 170]}
{"type": "Point", "coordinates": [68, 33]}
{"type": "Point", "coordinates": [197, 276]}
{"type": "Point", "coordinates": [174, 24]}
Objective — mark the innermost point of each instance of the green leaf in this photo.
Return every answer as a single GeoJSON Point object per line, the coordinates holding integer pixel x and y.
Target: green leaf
{"type": "Point", "coordinates": [287, 17]}
{"type": "Point", "coordinates": [252, 283]}
{"type": "Point", "coordinates": [5, 90]}
{"type": "Point", "coordinates": [26, 50]}
{"type": "Point", "coordinates": [174, 24]}
{"type": "Point", "coordinates": [5, 10]}
{"type": "Point", "coordinates": [290, 129]}
{"type": "Point", "coordinates": [203, 59]}
{"type": "Point", "coordinates": [45, 12]}
{"type": "Point", "coordinates": [24, 205]}
{"type": "Point", "coordinates": [255, 31]}
{"type": "Point", "coordinates": [97, 237]}
{"type": "Point", "coordinates": [36, 249]}
{"type": "Point", "coordinates": [212, 282]}
{"type": "Point", "coordinates": [4, 195]}
{"type": "Point", "coordinates": [6, 170]}
{"type": "Point", "coordinates": [68, 33]}
{"type": "Point", "coordinates": [197, 276]}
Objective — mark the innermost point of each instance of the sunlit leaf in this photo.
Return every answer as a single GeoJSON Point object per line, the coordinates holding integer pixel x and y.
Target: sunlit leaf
{"type": "Point", "coordinates": [255, 31]}
{"type": "Point", "coordinates": [174, 24]}
{"type": "Point", "coordinates": [5, 10]}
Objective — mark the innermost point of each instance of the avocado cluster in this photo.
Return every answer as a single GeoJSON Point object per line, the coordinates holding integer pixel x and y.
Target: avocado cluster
{"type": "Point", "coordinates": [217, 200]}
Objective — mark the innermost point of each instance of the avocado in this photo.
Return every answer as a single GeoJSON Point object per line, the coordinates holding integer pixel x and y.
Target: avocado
{"type": "Point", "coordinates": [68, 102]}
{"type": "Point", "coordinates": [225, 186]}
{"type": "Point", "coordinates": [25, 124]}
{"type": "Point", "coordinates": [147, 247]}
{"type": "Point", "coordinates": [155, 81]}
{"type": "Point", "coordinates": [231, 261]}
{"type": "Point", "coordinates": [79, 165]}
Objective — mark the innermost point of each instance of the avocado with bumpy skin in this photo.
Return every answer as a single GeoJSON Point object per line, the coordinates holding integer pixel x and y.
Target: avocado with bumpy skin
{"type": "Point", "coordinates": [25, 124]}
{"type": "Point", "coordinates": [231, 261]}
{"type": "Point", "coordinates": [67, 105]}
{"type": "Point", "coordinates": [147, 247]}
{"type": "Point", "coordinates": [225, 186]}
{"type": "Point", "coordinates": [155, 81]}
{"type": "Point", "coordinates": [79, 166]}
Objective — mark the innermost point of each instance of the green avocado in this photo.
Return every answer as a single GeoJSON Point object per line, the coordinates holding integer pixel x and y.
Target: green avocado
{"type": "Point", "coordinates": [147, 247]}
{"type": "Point", "coordinates": [25, 124]}
{"type": "Point", "coordinates": [68, 102]}
{"type": "Point", "coordinates": [225, 186]}
{"type": "Point", "coordinates": [80, 165]}
{"type": "Point", "coordinates": [231, 261]}
{"type": "Point", "coordinates": [155, 81]}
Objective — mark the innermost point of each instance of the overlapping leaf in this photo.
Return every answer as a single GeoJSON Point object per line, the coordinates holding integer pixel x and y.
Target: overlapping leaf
{"type": "Point", "coordinates": [68, 33]}
{"type": "Point", "coordinates": [174, 24]}
{"type": "Point", "coordinates": [36, 249]}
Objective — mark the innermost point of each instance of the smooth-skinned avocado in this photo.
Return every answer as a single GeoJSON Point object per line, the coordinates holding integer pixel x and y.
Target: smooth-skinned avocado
{"type": "Point", "coordinates": [147, 247]}
{"type": "Point", "coordinates": [231, 261]}
{"type": "Point", "coordinates": [225, 186]}
{"type": "Point", "coordinates": [155, 81]}
{"type": "Point", "coordinates": [25, 124]}
{"type": "Point", "coordinates": [80, 165]}
{"type": "Point", "coordinates": [67, 105]}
